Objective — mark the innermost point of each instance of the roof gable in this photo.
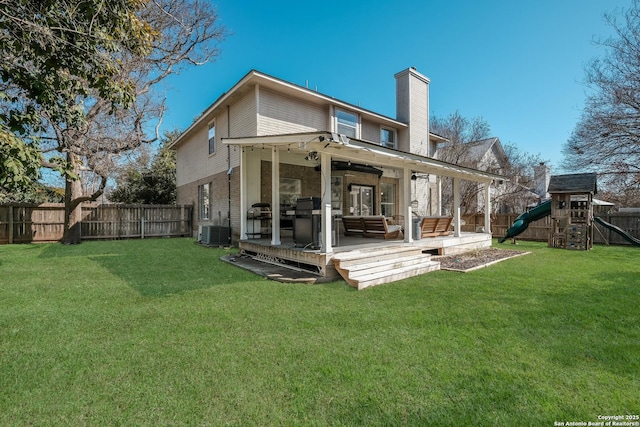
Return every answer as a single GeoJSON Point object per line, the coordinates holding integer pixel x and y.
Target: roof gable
{"type": "Point", "coordinates": [475, 153]}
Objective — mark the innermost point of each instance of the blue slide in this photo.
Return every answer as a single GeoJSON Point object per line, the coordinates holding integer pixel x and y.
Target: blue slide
{"type": "Point", "coordinates": [628, 237]}
{"type": "Point", "coordinates": [524, 219]}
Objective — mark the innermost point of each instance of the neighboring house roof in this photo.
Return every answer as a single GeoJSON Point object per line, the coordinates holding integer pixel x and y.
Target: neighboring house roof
{"type": "Point", "coordinates": [480, 148]}
{"type": "Point", "coordinates": [475, 152]}
{"type": "Point", "coordinates": [254, 77]}
{"type": "Point", "coordinates": [574, 183]}
{"type": "Point", "coordinates": [598, 202]}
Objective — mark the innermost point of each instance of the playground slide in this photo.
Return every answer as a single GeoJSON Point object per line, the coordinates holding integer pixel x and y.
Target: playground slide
{"type": "Point", "coordinates": [628, 237]}
{"type": "Point", "coordinates": [522, 221]}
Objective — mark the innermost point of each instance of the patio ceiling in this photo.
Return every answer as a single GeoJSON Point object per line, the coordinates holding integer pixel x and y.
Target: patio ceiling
{"type": "Point", "coordinates": [363, 152]}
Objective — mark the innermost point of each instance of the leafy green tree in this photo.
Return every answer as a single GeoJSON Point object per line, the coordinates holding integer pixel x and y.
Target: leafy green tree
{"type": "Point", "coordinates": [53, 54]}
{"type": "Point", "coordinates": [154, 183]}
{"type": "Point", "coordinates": [20, 164]}
{"type": "Point", "coordinates": [86, 89]}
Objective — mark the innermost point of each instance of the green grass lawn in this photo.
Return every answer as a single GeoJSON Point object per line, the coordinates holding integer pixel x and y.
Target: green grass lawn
{"type": "Point", "coordinates": [161, 332]}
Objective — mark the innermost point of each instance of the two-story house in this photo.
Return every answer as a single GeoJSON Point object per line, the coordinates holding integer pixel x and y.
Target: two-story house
{"type": "Point", "coordinates": [260, 148]}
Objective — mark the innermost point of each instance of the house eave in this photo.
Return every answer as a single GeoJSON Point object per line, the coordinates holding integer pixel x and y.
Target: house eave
{"type": "Point", "coordinates": [363, 151]}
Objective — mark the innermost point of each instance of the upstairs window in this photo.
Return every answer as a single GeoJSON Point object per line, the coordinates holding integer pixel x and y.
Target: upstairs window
{"type": "Point", "coordinates": [388, 138]}
{"type": "Point", "coordinates": [212, 138]}
{"type": "Point", "coordinates": [347, 123]}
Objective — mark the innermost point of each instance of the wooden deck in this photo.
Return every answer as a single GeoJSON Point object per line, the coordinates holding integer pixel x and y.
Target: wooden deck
{"type": "Point", "coordinates": [321, 264]}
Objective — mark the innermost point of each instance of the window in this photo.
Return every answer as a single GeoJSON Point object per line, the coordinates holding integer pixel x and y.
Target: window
{"type": "Point", "coordinates": [212, 138]}
{"type": "Point", "coordinates": [388, 138]}
{"type": "Point", "coordinates": [290, 191]}
{"type": "Point", "coordinates": [347, 123]}
{"type": "Point", "coordinates": [361, 200]}
{"type": "Point", "coordinates": [388, 199]}
{"type": "Point", "coordinates": [204, 200]}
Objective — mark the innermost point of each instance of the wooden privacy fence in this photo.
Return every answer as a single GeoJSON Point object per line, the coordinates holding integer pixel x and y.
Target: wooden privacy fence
{"type": "Point", "coordinates": [39, 223]}
{"type": "Point", "coordinates": [539, 230]}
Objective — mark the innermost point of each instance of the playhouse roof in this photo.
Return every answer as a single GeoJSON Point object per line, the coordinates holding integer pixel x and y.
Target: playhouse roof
{"type": "Point", "coordinates": [574, 183]}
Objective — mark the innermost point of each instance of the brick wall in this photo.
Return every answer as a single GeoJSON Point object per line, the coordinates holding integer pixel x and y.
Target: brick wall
{"type": "Point", "coordinates": [188, 194]}
{"type": "Point", "coordinates": [310, 183]}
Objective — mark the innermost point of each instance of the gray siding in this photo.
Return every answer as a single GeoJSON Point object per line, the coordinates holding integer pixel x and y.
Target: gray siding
{"type": "Point", "coordinates": [370, 131]}
{"type": "Point", "coordinates": [279, 114]}
{"type": "Point", "coordinates": [243, 117]}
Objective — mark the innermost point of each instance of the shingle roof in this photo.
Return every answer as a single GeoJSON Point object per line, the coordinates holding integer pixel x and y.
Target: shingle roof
{"type": "Point", "coordinates": [574, 183]}
{"type": "Point", "coordinates": [472, 153]}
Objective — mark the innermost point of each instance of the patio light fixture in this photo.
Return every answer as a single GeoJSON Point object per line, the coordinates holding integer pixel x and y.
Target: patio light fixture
{"type": "Point", "coordinates": [312, 156]}
{"type": "Point", "coordinates": [335, 137]}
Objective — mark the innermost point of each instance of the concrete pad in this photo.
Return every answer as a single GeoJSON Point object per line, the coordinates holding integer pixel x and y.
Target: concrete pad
{"type": "Point", "coordinates": [274, 272]}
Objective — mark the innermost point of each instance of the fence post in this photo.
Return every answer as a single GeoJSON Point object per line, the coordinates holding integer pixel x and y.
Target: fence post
{"type": "Point", "coordinates": [182, 227]}
{"type": "Point", "coordinates": [142, 222]}
{"type": "Point", "coordinates": [10, 224]}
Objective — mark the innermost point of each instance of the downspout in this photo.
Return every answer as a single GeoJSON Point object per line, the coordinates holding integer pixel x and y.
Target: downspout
{"type": "Point", "coordinates": [229, 172]}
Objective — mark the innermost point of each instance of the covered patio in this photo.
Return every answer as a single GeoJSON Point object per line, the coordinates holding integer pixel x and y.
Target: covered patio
{"type": "Point", "coordinates": [345, 177]}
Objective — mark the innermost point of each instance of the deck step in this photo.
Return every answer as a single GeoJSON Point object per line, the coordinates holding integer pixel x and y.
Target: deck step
{"type": "Point", "coordinates": [377, 254]}
{"type": "Point", "coordinates": [366, 268]}
{"type": "Point", "coordinates": [372, 266]}
{"type": "Point", "coordinates": [398, 274]}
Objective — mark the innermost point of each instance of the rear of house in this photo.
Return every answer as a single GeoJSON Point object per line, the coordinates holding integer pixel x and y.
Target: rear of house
{"type": "Point", "coordinates": [261, 105]}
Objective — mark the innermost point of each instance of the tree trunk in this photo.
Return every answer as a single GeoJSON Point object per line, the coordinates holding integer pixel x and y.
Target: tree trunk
{"type": "Point", "coordinates": [72, 209]}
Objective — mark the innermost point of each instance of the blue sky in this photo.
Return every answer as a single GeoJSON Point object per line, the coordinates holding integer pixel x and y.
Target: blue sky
{"type": "Point", "coordinates": [517, 64]}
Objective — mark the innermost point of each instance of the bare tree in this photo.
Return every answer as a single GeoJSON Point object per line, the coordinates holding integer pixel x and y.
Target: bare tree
{"type": "Point", "coordinates": [471, 146]}
{"type": "Point", "coordinates": [606, 139]}
{"type": "Point", "coordinates": [459, 130]}
{"type": "Point", "coordinates": [461, 133]}
{"type": "Point", "coordinates": [519, 192]}
{"type": "Point", "coordinates": [623, 192]}
{"type": "Point", "coordinates": [187, 33]}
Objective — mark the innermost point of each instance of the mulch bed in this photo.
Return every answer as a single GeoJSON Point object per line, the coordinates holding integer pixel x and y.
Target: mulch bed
{"type": "Point", "coordinates": [474, 260]}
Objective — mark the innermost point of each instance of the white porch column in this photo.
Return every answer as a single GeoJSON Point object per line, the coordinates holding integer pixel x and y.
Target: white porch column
{"type": "Point", "coordinates": [275, 197]}
{"type": "Point", "coordinates": [243, 195]}
{"type": "Point", "coordinates": [325, 206]}
{"type": "Point", "coordinates": [456, 206]}
{"type": "Point", "coordinates": [405, 185]}
{"type": "Point", "coordinates": [487, 207]}
{"type": "Point", "coordinates": [439, 211]}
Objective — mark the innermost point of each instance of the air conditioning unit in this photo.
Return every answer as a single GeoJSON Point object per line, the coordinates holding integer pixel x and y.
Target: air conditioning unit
{"type": "Point", "coordinates": [215, 235]}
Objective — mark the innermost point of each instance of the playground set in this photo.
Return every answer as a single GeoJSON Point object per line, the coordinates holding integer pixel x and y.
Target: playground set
{"type": "Point", "coordinates": [571, 210]}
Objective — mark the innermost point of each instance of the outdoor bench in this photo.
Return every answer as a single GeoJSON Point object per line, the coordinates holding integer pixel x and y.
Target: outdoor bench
{"type": "Point", "coordinates": [433, 226]}
{"type": "Point", "coordinates": [370, 226]}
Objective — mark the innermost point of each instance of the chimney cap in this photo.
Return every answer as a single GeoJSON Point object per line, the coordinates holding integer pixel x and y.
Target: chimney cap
{"type": "Point", "coordinates": [412, 71]}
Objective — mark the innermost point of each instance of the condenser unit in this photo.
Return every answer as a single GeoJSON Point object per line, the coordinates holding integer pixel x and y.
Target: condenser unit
{"type": "Point", "coordinates": [215, 235]}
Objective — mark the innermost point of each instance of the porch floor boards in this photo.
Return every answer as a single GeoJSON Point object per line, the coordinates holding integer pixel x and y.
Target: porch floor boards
{"type": "Point", "coordinates": [323, 266]}
{"type": "Point", "coordinates": [445, 245]}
